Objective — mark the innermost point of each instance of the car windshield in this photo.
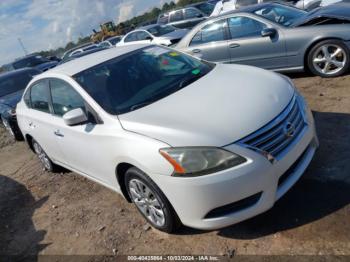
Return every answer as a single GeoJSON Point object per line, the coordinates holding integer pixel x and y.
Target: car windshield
{"type": "Point", "coordinates": [283, 15]}
{"type": "Point", "coordinates": [139, 78]}
{"type": "Point", "coordinates": [12, 84]}
{"type": "Point", "coordinates": [30, 62]}
{"type": "Point", "coordinates": [160, 30]}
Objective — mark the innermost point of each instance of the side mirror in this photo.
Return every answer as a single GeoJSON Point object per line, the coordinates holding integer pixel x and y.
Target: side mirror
{"type": "Point", "coordinates": [149, 38]}
{"type": "Point", "coordinates": [268, 32]}
{"type": "Point", "coordinates": [75, 117]}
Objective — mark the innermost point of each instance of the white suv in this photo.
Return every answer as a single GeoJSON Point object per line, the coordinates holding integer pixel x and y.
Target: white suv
{"type": "Point", "coordinates": [187, 141]}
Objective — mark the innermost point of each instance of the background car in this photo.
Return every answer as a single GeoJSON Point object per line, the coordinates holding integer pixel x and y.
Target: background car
{"type": "Point", "coordinates": [81, 48]}
{"type": "Point", "coordinates": [172, 133]}
{"type": "Point", "coordinates": [186, 17]}
{"type": "Point", "coordinates": [81, 54]}
{"type": "Point", "coordinates": [110, 42]}
{"type": "Point", "coordinates": [34, 61]}
{"type": "Point", "coordinates": [158, 34]}
{"type": "Point", "coordinates": [12, 85]}
{"type": "Point", "coordinates": [308, 5]}
{"type": "Point", "coordinates": [277, 37]}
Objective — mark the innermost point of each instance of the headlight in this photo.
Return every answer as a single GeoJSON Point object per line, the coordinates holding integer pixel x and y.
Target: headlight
{"type": "Point", "coordinates": [196, 161]}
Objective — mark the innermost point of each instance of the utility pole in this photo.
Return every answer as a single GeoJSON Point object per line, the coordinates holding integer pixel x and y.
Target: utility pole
{"type": "Point", "coordinates": [21, 44]}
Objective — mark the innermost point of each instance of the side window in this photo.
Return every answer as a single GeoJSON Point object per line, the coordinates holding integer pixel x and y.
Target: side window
{"type": "Point", "coordinates": [64, 97]}
{"type": "Point", "coordinates": [192, 13]}
{"type": "Point", "coordinates": [39, 96]}
{"type": "Point", "coordinates": [142, 35]}
{"type": "Point", "coordinates": [176, 16]}
{"type": "Point", "coordinates": [26, 98]}
{"type": "Point", "coordinates": [240, 27]}
{"type": "Point", "coordinates": [131, 37]}
{"type": "Point", "coordinates": [210, 33]}
{"type": "Point", "coordinates": [241, 3]}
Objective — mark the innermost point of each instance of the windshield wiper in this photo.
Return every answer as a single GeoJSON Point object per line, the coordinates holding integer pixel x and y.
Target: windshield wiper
{"type": "Point", "coordinates": [189, 80]}
{"type": "Point", "coordinates": [134, 107]}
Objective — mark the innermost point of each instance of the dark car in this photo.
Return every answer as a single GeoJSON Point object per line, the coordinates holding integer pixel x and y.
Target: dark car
{"type": "Point", "coordinates": [33, 61]}
{"type": "Point", "coordinates": [188, 16]}
{"type": "Point", "coordinates": [12, 85]}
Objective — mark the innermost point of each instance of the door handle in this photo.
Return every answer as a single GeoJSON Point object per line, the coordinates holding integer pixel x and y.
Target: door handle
{"type": "Point", "coordinates": [196, 51]}
{"type": "Point", "coordinates": [58, 133]}
{"type": "Point", "coordinates": [233, 45]}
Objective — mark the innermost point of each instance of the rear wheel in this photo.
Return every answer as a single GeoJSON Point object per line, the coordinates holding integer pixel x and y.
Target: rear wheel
{"type": "Point", "coordinates": [329, 58]}
{"type": "Point", "coordinates": [45, 161]}
{"type": "Point", "coordinates": [150, 201]}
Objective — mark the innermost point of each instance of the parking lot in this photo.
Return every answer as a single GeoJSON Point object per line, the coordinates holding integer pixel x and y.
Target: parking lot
{"type": "Point", "coordinates": [43, 213]}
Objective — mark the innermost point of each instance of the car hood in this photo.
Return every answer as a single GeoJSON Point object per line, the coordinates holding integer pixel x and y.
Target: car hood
{"type": "Point", "coordinates": [177, 34]}
{"type": "Point", "coordinates": [46, 66]}
{"type": "Point", "coordinates": [10, 100]}
{"type": "Point", "coordinates": [338, 11]}
{"type": "Point", "coordinates": [227, 104]}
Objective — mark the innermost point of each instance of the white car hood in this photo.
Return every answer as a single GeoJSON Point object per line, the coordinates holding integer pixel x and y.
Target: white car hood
{"type": "Point", "coordinates": [227, 104]}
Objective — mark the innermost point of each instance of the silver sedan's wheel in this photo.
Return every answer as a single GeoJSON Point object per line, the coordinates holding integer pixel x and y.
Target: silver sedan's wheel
{"type": "Point", "coordinates": [44, 159]}
{"type": "Point", "coordinates": [329, 59]}
{"type": "Point", "coordinates": [147, 202]}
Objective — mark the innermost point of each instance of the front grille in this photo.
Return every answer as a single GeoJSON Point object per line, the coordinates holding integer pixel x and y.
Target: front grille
{"type": "Point", "coordinates": [279, 133]}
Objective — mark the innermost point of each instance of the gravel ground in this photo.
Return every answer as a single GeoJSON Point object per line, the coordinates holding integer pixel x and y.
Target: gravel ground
{"type": "Point", "coordinates": [43, 213]}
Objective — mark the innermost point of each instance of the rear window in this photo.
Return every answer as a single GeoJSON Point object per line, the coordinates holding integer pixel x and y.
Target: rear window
{"type": "Point", "coordinates": [14, 83]}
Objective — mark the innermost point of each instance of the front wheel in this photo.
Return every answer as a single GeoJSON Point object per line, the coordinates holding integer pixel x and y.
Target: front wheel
{"type": "Point", "coordinates": [150, 201]}
{"type": "Point", "coordinates": [15, 134]}
{"type": "Point", "coordinates": [329, 58]}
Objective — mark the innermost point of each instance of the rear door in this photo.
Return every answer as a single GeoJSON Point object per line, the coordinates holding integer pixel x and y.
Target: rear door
{"type": "Point", "coordinates": [210, 43]}
{"type": "Point", "coordinates": [247, 45]}
{"type": "Point", "coordinates": [39, 121]}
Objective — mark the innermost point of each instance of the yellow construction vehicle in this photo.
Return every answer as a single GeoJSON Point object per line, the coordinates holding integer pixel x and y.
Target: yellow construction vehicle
{"type": "Point", "coordinates": [108, 29]}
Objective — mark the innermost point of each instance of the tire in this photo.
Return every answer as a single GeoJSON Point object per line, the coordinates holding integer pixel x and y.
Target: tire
{"type": "Point", "coordinates": [329, 58]}
{"type": "Point", "coordinates": [141, 187]}
{"type": "Point", "coordinates": [44, 159]}
{"type": "Point", "coordinates": [15, 134]}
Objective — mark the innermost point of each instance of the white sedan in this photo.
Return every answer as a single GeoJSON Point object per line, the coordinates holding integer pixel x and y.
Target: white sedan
{"type": "Point", "coordinates": [166, 35]}
{"type": "Point", "coordinates": [187, 141]}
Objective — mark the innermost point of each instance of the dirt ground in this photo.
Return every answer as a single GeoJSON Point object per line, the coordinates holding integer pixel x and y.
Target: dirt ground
{"type": "Point", "coordinates": [43, 213]}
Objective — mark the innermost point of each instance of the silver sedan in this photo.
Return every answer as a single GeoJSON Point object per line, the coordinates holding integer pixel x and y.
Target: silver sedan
{"type": "Point", "coordinates": [276, 37]}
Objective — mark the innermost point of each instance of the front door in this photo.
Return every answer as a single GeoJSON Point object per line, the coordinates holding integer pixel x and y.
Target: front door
{"type": "Point", "coordinates": [248, 46]}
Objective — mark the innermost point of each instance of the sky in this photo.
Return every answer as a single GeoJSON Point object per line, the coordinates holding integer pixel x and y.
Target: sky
{"type": "Point", "coordinates": [46, 24]}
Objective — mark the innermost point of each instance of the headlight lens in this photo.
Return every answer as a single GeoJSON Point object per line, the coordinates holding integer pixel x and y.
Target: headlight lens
{"type": "Point", "coordinates": [196, 161]}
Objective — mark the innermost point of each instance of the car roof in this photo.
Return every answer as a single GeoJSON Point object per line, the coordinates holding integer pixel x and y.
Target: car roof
{"type": "Point", "coordinates": [78, 65]}
{"type": "Point", "coordinates": [17, 72]}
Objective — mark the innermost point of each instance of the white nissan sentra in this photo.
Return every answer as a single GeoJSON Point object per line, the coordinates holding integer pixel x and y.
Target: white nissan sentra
{"type": "Point", "coordinates": [187, 141]}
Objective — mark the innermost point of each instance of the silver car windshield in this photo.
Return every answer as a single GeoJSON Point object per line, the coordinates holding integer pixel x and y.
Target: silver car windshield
{"type": "Point", "coordinates": [280, 14]}
{"type": "Point", "coordinates": [139, 78]}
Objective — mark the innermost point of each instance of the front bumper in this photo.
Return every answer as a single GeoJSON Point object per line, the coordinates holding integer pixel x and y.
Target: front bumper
{"type": "Point", "coordinates": [193, 198]}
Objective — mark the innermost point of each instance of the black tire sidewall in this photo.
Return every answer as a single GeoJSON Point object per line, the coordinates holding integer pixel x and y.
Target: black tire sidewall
{"type": "Point", "coordinates": [330, 41]}
{"type": "Point", "coordinates": [171, 220]}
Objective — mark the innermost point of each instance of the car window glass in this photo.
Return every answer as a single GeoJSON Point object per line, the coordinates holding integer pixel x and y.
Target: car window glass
{"type": "Point", "coordinates": [241, 3]}
{"type": "Point", "coordinates": [131, 37]}
{"type": "Point", "coordinates": [192, 13]}
{"type": "Point", "coordinates": [244, 27]}
{"type": "Point", "coordinates": [176, 16]}
{"type": "Point", "coordinates": [39, 96]}
{"type": "Point", "coordinates": [210, 33]}
{"type": "Point", "coordinates": [163, 19]}
{"type": "Point", "coordinates": [142, 35]}
{"type": "Point", "coordinates": [26, 98]}
{"type": "Point", "coordinates": [64, 97]}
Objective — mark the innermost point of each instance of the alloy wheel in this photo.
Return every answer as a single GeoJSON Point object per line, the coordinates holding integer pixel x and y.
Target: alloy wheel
{"type": "Point", "coordinates": [329, 59]}
{"type": "Point", "coordinates": [8, 127]}
{"type": "Point", "coordinates": [147, 202]}
{"type": "Point", "coordinates": [42, 156]}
